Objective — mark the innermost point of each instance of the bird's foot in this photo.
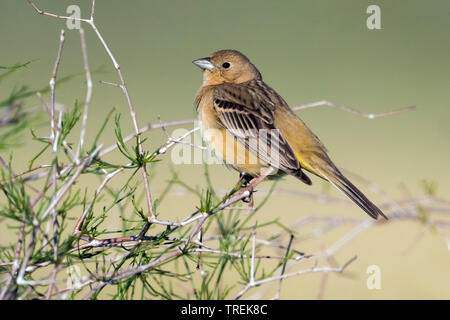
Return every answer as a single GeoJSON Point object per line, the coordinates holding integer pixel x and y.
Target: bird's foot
{"type": "Point", "coordinates": [249, 198]}
{"type": "Point", "coordinates": [245, 178]}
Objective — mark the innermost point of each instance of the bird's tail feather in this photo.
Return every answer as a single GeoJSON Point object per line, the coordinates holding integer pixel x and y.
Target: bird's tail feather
{"type": "Point", "coordinates": [349, 189]}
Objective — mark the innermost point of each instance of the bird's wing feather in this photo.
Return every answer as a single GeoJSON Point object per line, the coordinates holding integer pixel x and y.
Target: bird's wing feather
{"type": "Point", "coordinates": [246, 110]}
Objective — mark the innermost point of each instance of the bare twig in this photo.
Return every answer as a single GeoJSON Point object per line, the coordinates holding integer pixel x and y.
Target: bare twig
{"type": "Point", "coordinates": [151, 216]}
{"type": "Point", "coordinates": [79, 224]}
{"type": "Point", "coordinates": [277, 295]}
{"type": "Point", "coordinates": [252, 265]}
{"type": "Point", "coordinates": [292, 274]}
{"type": "Point", "coordinates": [144, 129]}
{"type": "Point", "coordinates": [352, 110]}
{"type": "Point", "coordinates": [129, 273]}
{"type": "Point", "coordinates": [80, 168]}
{"type": "Point", "coordinates": [16, 262]}
{"type": "Point", "coordinates": [52, 83]}
{"type": "Point", "coordinates": [88, 85]}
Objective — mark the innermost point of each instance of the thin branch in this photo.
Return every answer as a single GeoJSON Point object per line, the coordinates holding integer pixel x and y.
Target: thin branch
{"type": "Point", "coordinates": [52, 91]}
{"type": "Point", "coordinates": [16, 262]}
{"type": "Point", "coordinates": [292, 274]}
{"type": "Point", "coordinates": [55, 15]}
{"type": "Point", "coordinates": [80, 168]}
{"type": "Point", "coordinates": [144, 129]}
{"type": "Point", "coordinates": [277, 296]}
{"type": "Point", "coordinates": [79, 224]}
{"type": "Point", "coordinates": [352, 110]}
{"type": "Point", "coordinates": [151, 216]}
{"type": "Point", "coordinates": [252, 265]}
{"type": "Point", "coordinates": [88, 87]}
{"type": "Point", "coordinates": [129, 273]}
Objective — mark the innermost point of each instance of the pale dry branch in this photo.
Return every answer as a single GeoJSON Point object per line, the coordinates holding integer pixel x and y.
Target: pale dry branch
{"type": "Point", "coordinates": [277, 295]}
{"type": "Point", "coordinates": [88, 85]}
{"type": "Point", "coordinates": [314, 269]}
{"type": "Point", "coordinates": [144, 129]}
{"type": "Point", "coordinates": [52, 83]}
{"type": "Point", "coordinates": [79, 224]}
{"type": "Point", "coordinates": [151, 216]}
{"type": "Point", "coordinates": [62, 191]}
{"type": "Point", "coordinates": [352, 110]}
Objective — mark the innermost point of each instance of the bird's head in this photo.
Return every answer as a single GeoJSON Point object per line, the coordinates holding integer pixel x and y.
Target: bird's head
{"type": "Point", "coordinates": [227, 66]}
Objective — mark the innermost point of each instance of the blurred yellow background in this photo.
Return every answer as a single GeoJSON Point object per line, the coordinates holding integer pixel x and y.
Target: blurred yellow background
{"type": "Point", "coordinates": [307, 51]}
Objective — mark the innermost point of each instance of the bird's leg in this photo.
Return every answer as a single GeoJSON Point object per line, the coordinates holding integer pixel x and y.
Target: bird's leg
{"type": "Point", "coordinates": [243, 177]}
{"type": "Point", "coordinates": [250, 187]}
{"type": "Point", "coordinates": [246, 178]}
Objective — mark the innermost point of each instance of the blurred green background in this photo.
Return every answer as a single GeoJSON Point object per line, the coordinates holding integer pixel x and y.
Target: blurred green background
{"type": "Point", "coordinates": [307, 51]}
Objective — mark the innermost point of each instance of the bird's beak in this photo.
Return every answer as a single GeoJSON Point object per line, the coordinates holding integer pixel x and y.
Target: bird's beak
{"type": "Point", "coordinates": [204, 63]}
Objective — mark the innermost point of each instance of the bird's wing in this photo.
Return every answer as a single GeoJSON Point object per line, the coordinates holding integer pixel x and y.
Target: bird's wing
{"type": "Point", "coordinates": [246, 111]}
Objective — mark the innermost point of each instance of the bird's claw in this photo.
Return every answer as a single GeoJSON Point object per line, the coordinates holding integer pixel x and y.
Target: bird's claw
{"type": "Point", "coordinates": [248, 199]}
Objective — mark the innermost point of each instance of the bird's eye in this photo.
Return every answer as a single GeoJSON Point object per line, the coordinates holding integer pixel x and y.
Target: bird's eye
{"type": "Point", "coordinates": [226, 65]}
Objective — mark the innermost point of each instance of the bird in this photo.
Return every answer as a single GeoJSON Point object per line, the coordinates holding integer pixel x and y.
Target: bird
{"type": "Point", "coordinates": [234, 106]}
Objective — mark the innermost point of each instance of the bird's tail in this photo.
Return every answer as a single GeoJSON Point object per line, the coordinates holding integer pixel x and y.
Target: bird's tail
{"type": "Point", "coordinates": [342, 183]}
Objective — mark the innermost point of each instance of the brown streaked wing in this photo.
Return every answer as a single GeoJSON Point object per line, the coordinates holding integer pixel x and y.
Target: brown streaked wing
{"type": "Point", "coordinates": [245, 111]}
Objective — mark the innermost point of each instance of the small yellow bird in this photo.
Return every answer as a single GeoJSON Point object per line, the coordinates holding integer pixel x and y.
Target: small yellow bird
{"type": "Point", "coordinates": [235, 106]}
